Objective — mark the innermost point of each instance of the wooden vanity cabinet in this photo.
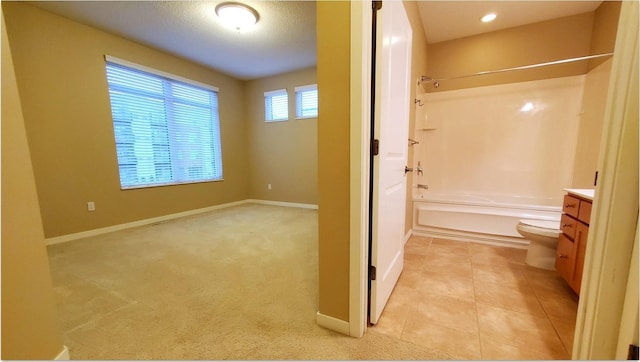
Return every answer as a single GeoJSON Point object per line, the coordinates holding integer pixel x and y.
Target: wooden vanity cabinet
{"type": "Point", "coordinates": [572, 243]}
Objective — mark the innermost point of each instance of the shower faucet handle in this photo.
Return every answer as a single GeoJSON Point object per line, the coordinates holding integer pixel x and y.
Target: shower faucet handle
{"type": "Point", "coordinates": [419, 169]}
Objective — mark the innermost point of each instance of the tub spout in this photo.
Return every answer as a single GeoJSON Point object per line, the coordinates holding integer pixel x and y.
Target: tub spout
{"type": "Point", "coordinates": [421, 186]}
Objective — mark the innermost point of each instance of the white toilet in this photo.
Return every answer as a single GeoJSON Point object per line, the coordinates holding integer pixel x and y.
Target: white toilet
{"type": "Point", "coordinates": [543, 241]}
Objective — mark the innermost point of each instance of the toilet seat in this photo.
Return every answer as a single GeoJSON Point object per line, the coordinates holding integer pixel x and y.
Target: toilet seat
{"type": "Point", "coordinates": [541, 227]}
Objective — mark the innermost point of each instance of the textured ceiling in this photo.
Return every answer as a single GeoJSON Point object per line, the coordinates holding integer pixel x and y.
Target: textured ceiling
{"type": "Point", "coordinates": [285, 37]}
{"type": "Point", "coordinates": [446, 20]}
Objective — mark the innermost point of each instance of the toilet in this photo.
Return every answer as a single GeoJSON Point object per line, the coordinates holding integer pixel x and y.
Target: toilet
{"type": "Point", "coordinates": [543, 241]}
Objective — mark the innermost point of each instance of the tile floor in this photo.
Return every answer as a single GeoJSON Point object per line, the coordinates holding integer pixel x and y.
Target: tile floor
{"type": "Point", "coordinates": [477, 301]}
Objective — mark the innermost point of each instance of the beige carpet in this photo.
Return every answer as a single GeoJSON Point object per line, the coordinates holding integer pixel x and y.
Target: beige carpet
{"type": "Point", "coordinates": [238, 283]}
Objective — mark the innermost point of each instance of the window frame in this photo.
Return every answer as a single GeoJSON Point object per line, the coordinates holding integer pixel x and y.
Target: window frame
{"type": "Point", "coordinates": [214, 147]}
{"type": "Point", "coordinates": [299, 92]}
{"type": "Point", "coordinates": [268, 105]}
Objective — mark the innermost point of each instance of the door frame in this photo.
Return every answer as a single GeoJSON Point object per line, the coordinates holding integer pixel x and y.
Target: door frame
{"type": "Point", "coordinates": [359, 150]}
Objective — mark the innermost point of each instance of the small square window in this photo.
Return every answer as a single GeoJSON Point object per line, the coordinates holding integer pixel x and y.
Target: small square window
{"type": "Point", "coordinates": [307, 101]}
{"type": "Point", "coordinates": [276, 105]}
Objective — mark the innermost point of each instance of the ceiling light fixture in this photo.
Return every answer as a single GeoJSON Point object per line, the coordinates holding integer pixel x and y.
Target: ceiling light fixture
{"type": "Point", "coordinates": [489, 17]}
{"type": "Point", "coordinates": [236, 15]}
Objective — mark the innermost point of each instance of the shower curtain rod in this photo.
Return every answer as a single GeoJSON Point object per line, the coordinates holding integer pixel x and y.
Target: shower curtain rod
{"type": "Point", "coordinates": [436, 81]}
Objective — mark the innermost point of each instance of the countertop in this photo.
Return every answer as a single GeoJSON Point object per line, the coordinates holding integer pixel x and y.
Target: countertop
{"type": "Point", "coordinates": [584, 193]}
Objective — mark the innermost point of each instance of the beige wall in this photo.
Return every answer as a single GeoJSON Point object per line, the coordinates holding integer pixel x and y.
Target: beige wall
{"type": "Point", "coordinates": [61, 78]}
{"type": "Point", "coordinates": [590, 128]}
{"type": "Point", "coordinates": [605, 26]}
{"type": "Point", "coordinates": [29, 324]}
{"type": "Point", "coordinates": [418, 68]}
{"type": "Point", "coordinates": [283, 154]}
{"type": "Point", "coordinates": [333, 44]}
{"type": "Point", "coordinates": [546, 41]}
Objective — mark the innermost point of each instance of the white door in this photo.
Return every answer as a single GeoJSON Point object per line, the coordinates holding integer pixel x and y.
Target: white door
{"type": "Point", "coordinates": [391, 128]}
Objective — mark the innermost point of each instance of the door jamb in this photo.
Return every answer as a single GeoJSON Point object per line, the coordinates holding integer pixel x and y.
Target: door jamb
{"type": "Point", "coordinates": [359, 149]}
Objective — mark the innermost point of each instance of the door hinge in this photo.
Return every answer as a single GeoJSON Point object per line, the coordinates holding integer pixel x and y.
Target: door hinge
{"type": "Point", "coordinates": [375, 147]}
{"type": "Point", "coordinates": [595, 179]}
{"type": "Point", "coordinates": [376, 5]}
{"type": "Point", "coordinates": [372, 272]}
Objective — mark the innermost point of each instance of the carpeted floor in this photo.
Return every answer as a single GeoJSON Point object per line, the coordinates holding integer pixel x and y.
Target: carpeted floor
{"type": "Point", "coordinates": [238, 283]}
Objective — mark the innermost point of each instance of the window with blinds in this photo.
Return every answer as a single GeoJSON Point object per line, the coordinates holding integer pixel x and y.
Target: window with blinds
{"type": "Point", "coordinates": [276, 105]}
{"type": "Point", "coordinates": [307, 101]}
{"type": "Point", "coordinates": [166, 128]}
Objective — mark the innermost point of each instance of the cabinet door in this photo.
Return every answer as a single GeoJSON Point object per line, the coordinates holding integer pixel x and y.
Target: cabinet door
{"type": "Point", "coordinates": [584, 214]}
{"type": "Point", "coordinates": [565, 258]}
{"type": "Point", "coordinates": [580, 244]}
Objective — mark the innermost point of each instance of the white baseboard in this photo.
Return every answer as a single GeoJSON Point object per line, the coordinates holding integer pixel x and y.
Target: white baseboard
{"type": "Point", "coordinates": [63, 355]}
{"type": "Point", "coordinates": [153, 220]}
{"type": "Point", "coordinates": [407, 237]}
{"type": "Point", "coordinates": [496, 240]}
{"type": "Point", "coordinates": [287, 204]}
{"type": "Point", "coordinates": [334, 324]}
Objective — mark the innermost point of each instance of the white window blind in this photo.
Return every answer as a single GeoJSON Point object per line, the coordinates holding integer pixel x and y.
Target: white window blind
{"type": "Point", "coordinates": [276, 105]}
{"type": "Point", "coordinates": [307, 101]}
{"type": "Point", "coordinates": [166, 130]}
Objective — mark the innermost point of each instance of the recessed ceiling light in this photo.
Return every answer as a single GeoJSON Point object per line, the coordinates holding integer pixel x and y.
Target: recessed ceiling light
{"type": "Point", "coordinates": [236, 15]}
{"type": "Point", "coordinates": [489, 17]}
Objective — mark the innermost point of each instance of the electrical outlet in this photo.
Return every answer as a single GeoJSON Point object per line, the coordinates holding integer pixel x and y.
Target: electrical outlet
{"type": "Point", "coordinates": [91, 206]}
{"type": "Point", "coordinates": [268, 186]}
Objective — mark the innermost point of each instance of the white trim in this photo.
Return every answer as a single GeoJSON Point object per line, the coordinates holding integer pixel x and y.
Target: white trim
{"type": "Point", "coordinates": [360, 116]}
{"type": "Point", "coordinates": [285, 204]}
{"type": "Point", "coordinates": [277, 92]}
{"type": "Point", "coordinates": [334, 324]}
{"type": "Point", "coordinates": [407, 236]}
{"type": "Point", "coordinates": [153, 220]}
{"type": "Point", "coordinates": [310, 87]}
{"type": "Point", "coordinates": [143, 68]}
{"type": "Point", "coordinates": [63, 355]}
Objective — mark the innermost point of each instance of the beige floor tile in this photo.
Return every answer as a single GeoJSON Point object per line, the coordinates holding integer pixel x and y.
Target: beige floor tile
{"type": "Point", "coordinates": [419, 248]}
{"type": "Point", "coordinates": [413, 261]}
{"type": "Point", "coordinates": [518, 256]}
{"type": "Point", "coordinates": [565, 330]}
{"type": "Point", "coordinates": [519, 298]}
{"type": "Point", "coordinates": [518, 329]}
{"type": "Point", "coordinates": [495, 351]}
{"type": "Point", "coordinates": [562, 307]}
{"type": "Point", "coordinates": [400, 304]}
{"type": "Point", "coordinates": [503, 274]}
{"type": "Point", "coordinates": [460, 344]}
{"type": "Point", "coordinates": [417, 240]}
{"type": "Point", "coordinates": [409, 277]}
{"type": "Point", "coordinates": [449, 247]}
{"type": "Point", "coordinates": [454, 313]}
{"type": "Point", "coordinates": [459, 265]}
{"type": "Point", "coordinates": [449, 285]}
{"type": "Point", "coordinates": [547, 282]}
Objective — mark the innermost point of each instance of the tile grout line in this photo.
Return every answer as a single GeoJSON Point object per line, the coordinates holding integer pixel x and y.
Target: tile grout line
{"type": "Point", "coordinates": [546, 314]}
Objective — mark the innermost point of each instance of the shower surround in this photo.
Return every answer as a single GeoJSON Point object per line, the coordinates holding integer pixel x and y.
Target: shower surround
{"type": "Point", "coordinates": [493, 155]}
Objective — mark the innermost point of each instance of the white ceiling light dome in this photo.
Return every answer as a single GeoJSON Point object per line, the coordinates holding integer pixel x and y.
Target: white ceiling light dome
{"type": "Point", "coordinates": [237, 15]}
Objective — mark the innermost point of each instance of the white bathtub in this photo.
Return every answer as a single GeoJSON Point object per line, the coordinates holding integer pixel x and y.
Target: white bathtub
{"type": "Point", "coordinates": [489, 219]}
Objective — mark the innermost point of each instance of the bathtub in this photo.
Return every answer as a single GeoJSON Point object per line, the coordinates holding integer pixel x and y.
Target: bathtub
{"type": "Point", "coordinates": [488, 219]}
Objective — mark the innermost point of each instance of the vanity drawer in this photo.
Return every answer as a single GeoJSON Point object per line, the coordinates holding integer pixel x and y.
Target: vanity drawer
{"type": "Point", "coordinates": [568, 226]}
{"type": "Point", "coordinates": [584, 214]}
{"type": "Point", "coordinates": [571, 205]}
